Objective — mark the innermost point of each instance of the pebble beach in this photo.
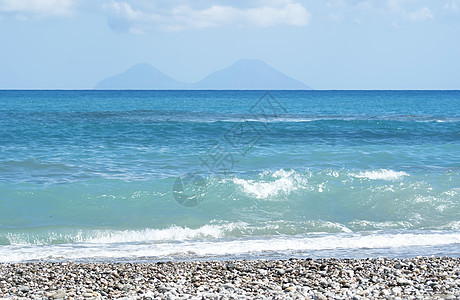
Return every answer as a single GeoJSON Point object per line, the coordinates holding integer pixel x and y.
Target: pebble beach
{"type": "Point", "coordinates": [379, 278]}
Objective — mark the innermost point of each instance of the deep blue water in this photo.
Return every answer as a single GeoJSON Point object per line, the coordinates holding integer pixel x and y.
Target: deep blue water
{"type": "Point", "coordinates": [147, 175]}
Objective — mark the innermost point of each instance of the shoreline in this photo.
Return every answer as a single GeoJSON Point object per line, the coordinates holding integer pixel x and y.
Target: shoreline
{"type": "Point", "coordinates": [411, 278]}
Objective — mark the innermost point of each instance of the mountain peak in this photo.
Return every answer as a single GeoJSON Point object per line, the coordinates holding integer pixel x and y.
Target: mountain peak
{"type": "Point", "coordinates": [250, 74]}
{"type": "Point", "coordinates": [142, 66]}
{"type": "Point", "coordinates": [250, 61]}
{"type": "Point", "coordinates": [141, 76]}
{"type": "Point", "coordinates": [244, 74]}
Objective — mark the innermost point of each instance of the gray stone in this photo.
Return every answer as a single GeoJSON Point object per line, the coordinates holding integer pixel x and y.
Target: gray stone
{"type": "Point", "coordinates": [320, 296]}
{"type": "Point", "coordinates": [396, 290]}
{"type": "Point", "coordinates": [403, 281]}
{"type": "Point", "coordinates": [24, 288]}
{"type": "Point", "coordinates": [228, 286]}
{"type": "Point", "coordinates": [262, 272]}
{"type": "Point", "coordinates": [290, 289]}
{"type": "Point", "coordinates": [56, 295]}
{"type": "Point", "coordinates": [323, 282]}
{"type": "Point", "coordinates": [88, 295]}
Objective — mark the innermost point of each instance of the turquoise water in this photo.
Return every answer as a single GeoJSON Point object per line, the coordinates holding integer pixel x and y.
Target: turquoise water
{"type": "Point", "coordinates": [153, 175]}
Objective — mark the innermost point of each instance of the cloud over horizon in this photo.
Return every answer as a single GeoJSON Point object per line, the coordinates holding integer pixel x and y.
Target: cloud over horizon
{"type": "Point", "coordinates": [393, 10]}
{"type": "Point", "coordinates": [145, 16]}
{"type": "Point", "coordinates": [421, 14]}
{"type": "Point", "coordinates": [31, 9]}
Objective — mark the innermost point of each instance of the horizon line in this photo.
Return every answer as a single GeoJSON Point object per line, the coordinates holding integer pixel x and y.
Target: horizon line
{"type": "Point", "coordinates": [215, 90]}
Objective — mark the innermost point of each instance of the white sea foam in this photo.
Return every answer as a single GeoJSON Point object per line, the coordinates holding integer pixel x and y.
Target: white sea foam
{"type": "Point", "coordinates": [382, 174]}
{"type": "Point", "coordinates": [264, 120]}
{"type": "Point", "coordinates": [373, 225]}
{"type": "Point", "coordinates": [228, 248]}
{"type": "Point", "coordinates": [339, 226]}
{"type": "Point", "coordinates": [270, 184]}
{"type": "Point", "coordinates": [173, 233]}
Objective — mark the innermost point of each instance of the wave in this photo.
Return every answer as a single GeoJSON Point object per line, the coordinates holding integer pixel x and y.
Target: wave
{"type": "Point", "coordinates": [412, 199]}
{"type": "Point", "coordinates": [382, 174]}
{"type": "Point", "coordinates": [64, 236]}
{"type": "Point", "coordinates": [213, 231]}
{"type": "Point", "coordinates": [399, 243]}
{"type": "Point", "coordinates": [279, 182]}
{"type": "Point", "coordinates": [173, 233]}
{"type": "Point", "coordinates": [167, 116]}
{"type": "Point", "coordinates": [283, 182]}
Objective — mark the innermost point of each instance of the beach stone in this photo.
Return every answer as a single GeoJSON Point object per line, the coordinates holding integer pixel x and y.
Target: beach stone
{"type": "Point", "coordinates": [323, 282]}
{"type": "Point", "coordinates": [262, 272]}
{"type": "Point", "coordinates": [398, 265]}
{"type": "Point", "coordinates": [290, 289]}
{"type": "Point", "coordinates": [396, 290]}
{"type": "Point", "coordinates": [56, 295]}
{"type": "Point", "coordinates": [228, 286]}
{"type": "Point", "coordinates": [335, 285]}
{"type": "Point", "coordinates": [230, 266]}
{"type": "Point", "coordinates": [320, 296]}
{"type": "Point", "coordinates": [24, 289]}
{"type": "Point", "coordinates": [403, 281]}
{"type": "Point", "coordinates": [88, 295]}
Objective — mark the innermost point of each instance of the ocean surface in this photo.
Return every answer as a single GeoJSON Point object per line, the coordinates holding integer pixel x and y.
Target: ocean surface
{"type": "Point", "coordinates": [180, 175]}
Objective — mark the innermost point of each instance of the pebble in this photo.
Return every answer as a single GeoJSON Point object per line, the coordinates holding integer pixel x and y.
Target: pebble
{"type": "Point", "coordinates": [88, 295]}
{"type": "Point", "coordinates": [290, 289]}
{"type": "Point", "coordinates": [320, 296]}
{"type": "Point", "coordinates": [24, 289]}
{"type": "Point", "coordinates": [228, 286]}
{"type": "Point", "coordinates": [414, 278]}
{"type": "Point", "coordinates": [56, 295]}
{"type": "Point", "coordinates": [262, 272]}
{"type": "Point", "coordinates": [281, 271]}
{"type": "Point", "coordinates": [403, 281]}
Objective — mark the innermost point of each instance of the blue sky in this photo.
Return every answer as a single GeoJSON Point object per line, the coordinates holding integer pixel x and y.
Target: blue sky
{"type": "Point", "coordinates": [336, 44]}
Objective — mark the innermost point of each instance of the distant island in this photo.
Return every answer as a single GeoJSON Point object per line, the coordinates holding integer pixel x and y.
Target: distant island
{"type": "Point", "coordinates": [245, 74]}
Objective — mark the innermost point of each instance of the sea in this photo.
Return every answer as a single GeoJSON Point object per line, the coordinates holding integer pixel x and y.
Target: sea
{"type": "Point", "coordinates": [145, 176]}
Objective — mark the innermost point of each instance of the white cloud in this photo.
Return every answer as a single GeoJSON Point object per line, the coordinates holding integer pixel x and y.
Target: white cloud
{"type": "Point", "coordinates": [394, 11]}
{"type": "Point", "coordinates": [421, 14]}
{"type": "Point", "coordinates": [25, 9]}
{"type": "Point", "coordinates": [452, 6]}
{"type": "Point", "coordinates": [139, 16]}
{"type": "Point", "coordinates": [399, 7]}
{"type": "Point", "coordinates": [395, 6]}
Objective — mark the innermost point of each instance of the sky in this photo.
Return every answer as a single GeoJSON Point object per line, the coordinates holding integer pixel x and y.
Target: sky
{"type": "Point", "coordinates": [336, 44]}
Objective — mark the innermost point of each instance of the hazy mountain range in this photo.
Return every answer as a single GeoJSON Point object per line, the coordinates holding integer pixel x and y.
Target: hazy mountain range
{"type": "Point", "coordinates": [245, 74]}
